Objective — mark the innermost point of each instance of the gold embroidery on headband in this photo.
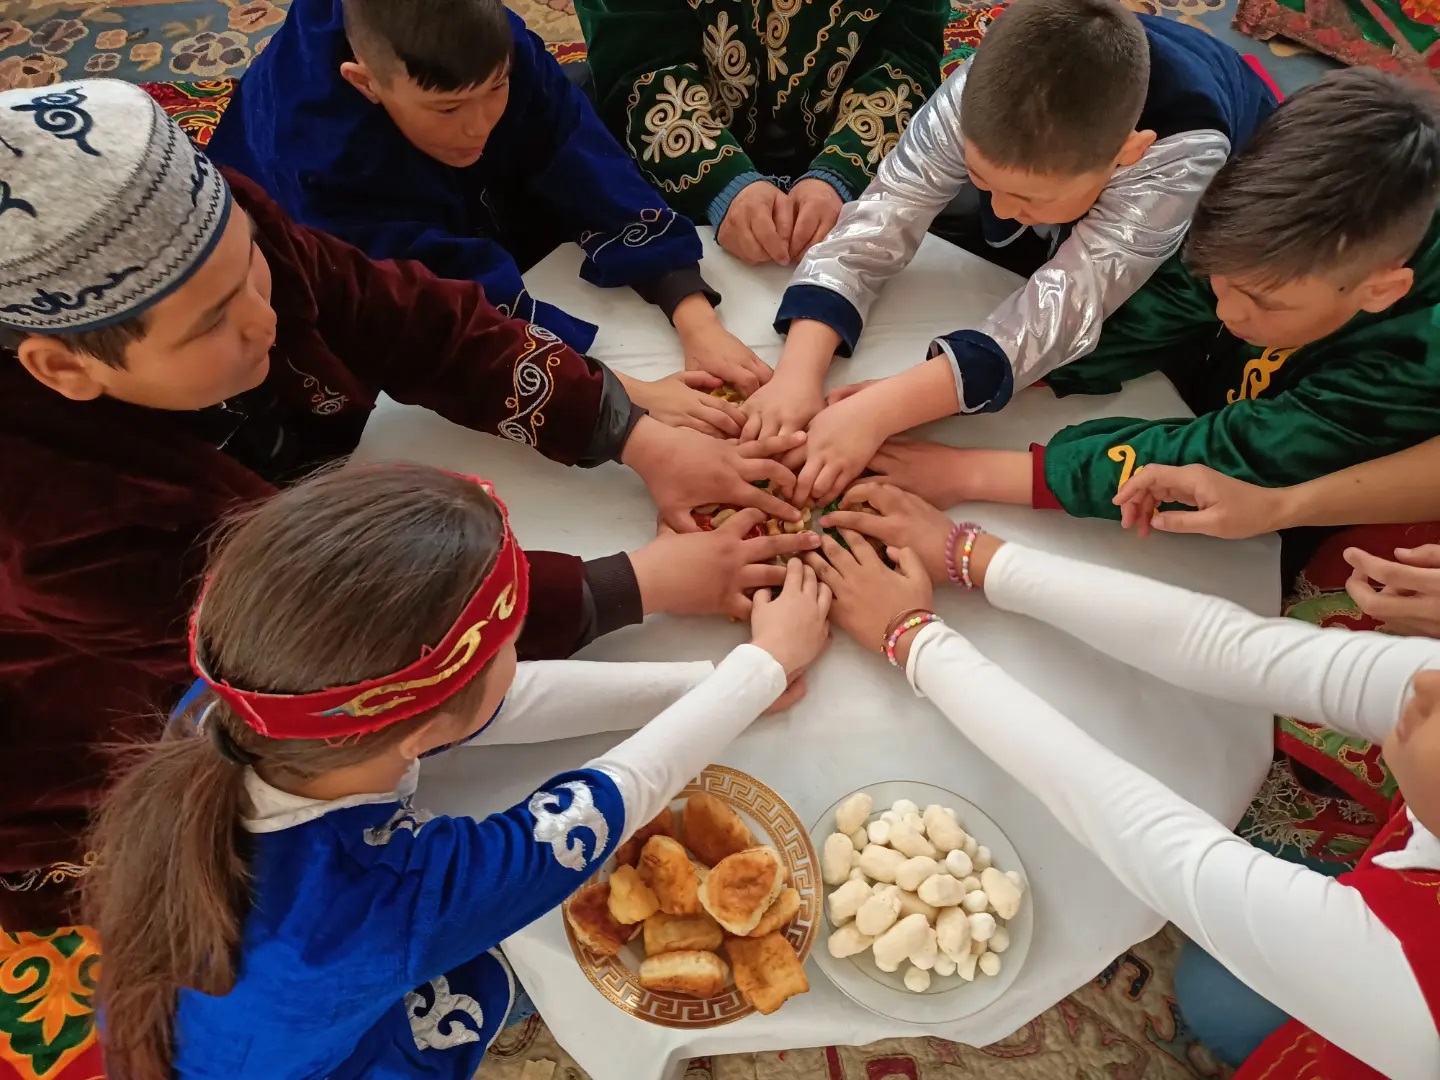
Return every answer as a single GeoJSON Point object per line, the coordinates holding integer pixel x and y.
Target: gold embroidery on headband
{"type": "Point", "coordinates": [459, 656]}
{"type": "Point", "coordinates": [504, 604]}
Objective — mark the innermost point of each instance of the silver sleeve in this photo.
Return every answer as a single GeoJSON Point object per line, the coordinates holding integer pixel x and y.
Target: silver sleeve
{"type": "Point", "coordinates": [1137, 223]}
{"type": "Point", "coordinates": [878, 234]}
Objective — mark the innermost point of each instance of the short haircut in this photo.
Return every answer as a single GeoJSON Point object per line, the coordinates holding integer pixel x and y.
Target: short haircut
{"type": "Point", "coordinates": [1057, 86]}
{"type": "Point", "coordinates": [443, 45]}
{"type": "Point", "coordinates": [1342, 179]}
{"type": "Point", "coordinates": [107, 344]}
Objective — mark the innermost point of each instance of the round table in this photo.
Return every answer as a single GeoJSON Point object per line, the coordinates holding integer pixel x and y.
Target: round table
{"type": "Point", "coordinates": [861, 723]}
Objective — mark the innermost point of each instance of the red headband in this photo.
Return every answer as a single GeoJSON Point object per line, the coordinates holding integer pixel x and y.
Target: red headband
{"type": "Point", "coordinates": [487, 621]}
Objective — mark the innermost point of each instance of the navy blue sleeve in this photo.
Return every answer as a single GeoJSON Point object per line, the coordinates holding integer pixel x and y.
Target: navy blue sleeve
{"type": "Point", "coordinates": [470, 883]}
{"type": "Point", "coordinates": [629, 236]}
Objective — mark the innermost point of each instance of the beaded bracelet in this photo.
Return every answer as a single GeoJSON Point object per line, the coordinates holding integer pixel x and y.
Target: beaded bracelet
{"type": "Point", "coordinates": [898, 619]}
{"type": "Point", "coordinates": [904, 628]}
{"type": "Point", "coordinates": [970, 531]}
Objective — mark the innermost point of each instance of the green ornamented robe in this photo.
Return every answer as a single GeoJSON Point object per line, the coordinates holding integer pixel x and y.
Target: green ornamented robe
{"type": "Point", "coordinates": [711, 95]}
{"type": "Point", "coordinates": [1274, 416]}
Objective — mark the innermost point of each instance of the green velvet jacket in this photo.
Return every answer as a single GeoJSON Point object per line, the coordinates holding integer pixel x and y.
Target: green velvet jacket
{"type": "Point", "coordinates": [710, 95]}
{"type": "Point", "coordinates": [1273, 416]}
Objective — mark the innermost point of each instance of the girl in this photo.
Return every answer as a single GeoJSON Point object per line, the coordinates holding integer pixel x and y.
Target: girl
{"type": "Point", "coordinates": [1354, 961]}
{"type": "Point", "coordinates": [271, 903]}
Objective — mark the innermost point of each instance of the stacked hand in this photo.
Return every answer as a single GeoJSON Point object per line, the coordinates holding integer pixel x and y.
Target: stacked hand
{"type": "Point", "coordinates": [786, 404]}
{"type": "Point", "coordinates": [1407, 599]}
{"type": "Point", "coordinates": [712, 349]}
{"type": "Point", "coordinates": [792, 627]}
{"type": "Point", "coordinates": [902, 520]}
{"type": "Point", "coordinates": [684, 469]}
{"type": "Point", "coordinates": [868, 594]}
{"type": "Point", "coordinates": [714, 572]}
{"type": "Point", "coordinates": [683, 400]}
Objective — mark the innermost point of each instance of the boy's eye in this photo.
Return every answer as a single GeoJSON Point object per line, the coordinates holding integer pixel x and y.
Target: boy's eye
{"type": "Point", "coordinates": [447, 109]}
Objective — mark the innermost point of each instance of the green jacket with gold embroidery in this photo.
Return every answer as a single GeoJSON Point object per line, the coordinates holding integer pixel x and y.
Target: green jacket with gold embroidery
{"type": "Point", "coordinates": [710, 95]}
{"type": "Point", "coordinates": [1273, 417]}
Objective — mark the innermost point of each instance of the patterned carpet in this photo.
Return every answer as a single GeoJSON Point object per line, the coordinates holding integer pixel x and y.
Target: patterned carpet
{"type": "Point", "coordinates": [1122, 1026]}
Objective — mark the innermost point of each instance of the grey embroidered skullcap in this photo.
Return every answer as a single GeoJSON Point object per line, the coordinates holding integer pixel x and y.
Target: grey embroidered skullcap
{"type": "Point", "coordinates": [105, 206]}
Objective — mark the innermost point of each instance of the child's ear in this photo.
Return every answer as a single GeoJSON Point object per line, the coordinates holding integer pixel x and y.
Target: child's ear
{"type": "Point", "coordinates": [434, 733]}
{"type": "Point", "coordinates": [59, 367]}
{"type": "Point", "coordinates": [358, 75]}
{"type": "Point", "coordinates": [1134, 147]}
{"type": "Point", "coordinates": [1385, 288]}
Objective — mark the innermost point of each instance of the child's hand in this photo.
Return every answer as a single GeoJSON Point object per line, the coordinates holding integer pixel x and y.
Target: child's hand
{"type": "Point", "coordinates": [868, 594]}
{"type": "Point", "coordinates": [712, 349]}
{"type": "Point", "coordinates": [756, 228]}
{"type": "Point", "coordinates": [785, 404]}
{"type": "Point", "coordinates": [841, 442]}
{"type": "Point", "coordinates": [1224, 506]}
{"type": "Point", "coordinates": [683, 400]}
{"type": "Point", "coordinates": [931, 470]}
{"type": "Point", "coordinates": [1408, 598]}
{"type": "Point", "coordinates": [683, 469]}
{"type": "Point", "coordinates": [710, 573]}
{"type": "Point", "coordinates": [791, 627]}
{"type": "Point", "coordinates": [903, 521]}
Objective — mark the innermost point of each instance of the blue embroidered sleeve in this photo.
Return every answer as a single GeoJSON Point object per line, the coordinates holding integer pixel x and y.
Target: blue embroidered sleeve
{"type": "Point", "coordinates": [629, 236]}
{"type": "Point", "coordinates": [471, 883]}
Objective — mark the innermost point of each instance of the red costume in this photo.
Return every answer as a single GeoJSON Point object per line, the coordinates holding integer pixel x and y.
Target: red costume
{"type": "Point", "coordinates": [104, 508]}
{"type": "Point", "coordinates": [1408, 903]}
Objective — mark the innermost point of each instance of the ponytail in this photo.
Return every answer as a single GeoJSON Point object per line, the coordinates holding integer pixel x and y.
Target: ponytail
{"type": "Point", "coordinates": [168, 895]}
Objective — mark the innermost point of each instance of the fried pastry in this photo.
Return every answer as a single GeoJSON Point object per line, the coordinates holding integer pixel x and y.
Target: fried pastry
{"type": "Point", "coordinates": [666, 868]}
{"type": "Point", "coordinates": [713, 830]}
{"type": "Point", "coordinates": [663, 824]}
{"type": "Point", "coordinates": [729, 393]}
{"type": "Point", "coordinates": [740, 888]}
{"type": "Point", "coordinates": [588, 913]}
{"type": "Point", "coordinates": [692, 973]}
{"type": "Point", "coordinates": [767, 971]}
{"type": "Point", "coordinates": [681, 933]}
{"type": "Point", "coordinates": [631, 900]}
{"type": "Point", "coordinates": [779, 915]}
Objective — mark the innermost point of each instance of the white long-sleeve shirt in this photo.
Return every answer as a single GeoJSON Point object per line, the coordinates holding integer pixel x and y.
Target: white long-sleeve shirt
{"type": "Point", "coordinates": [1304, 941]}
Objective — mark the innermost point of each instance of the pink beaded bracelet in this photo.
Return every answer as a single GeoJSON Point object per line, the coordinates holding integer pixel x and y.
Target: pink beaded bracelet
{"type": "Point", "coordinates": [969, 531]}
{"type": "Point", "coordinates": [903, 629]}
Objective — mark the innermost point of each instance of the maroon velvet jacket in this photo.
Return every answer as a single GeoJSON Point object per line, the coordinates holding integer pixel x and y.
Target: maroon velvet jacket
{"type": "Point", "coordinates": [104, 508]}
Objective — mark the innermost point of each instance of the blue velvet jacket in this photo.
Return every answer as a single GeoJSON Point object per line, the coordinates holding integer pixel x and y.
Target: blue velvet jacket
{"type": "Point", "coordinates": [551, 173]}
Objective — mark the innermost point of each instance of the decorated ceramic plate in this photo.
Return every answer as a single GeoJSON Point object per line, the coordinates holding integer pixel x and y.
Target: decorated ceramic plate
{"type": "Point", "coordinates": [948, 998]}
{"type": "Point", "coordinates": [771, 821]}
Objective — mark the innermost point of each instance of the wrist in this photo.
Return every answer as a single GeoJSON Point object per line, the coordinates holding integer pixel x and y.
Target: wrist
{"type": "Point", "coordinates": [646, 442]}
{"type": "Point", "coordinates": [809, 347]}
{"type": "Point", "coordinates": [694, 315]}
{"type": "Point", "coordinates": [650, 579]}
{"type": "Point", "coordinates": [1287, 508]}
{"type": "Point", "coordinates": [981, 555]}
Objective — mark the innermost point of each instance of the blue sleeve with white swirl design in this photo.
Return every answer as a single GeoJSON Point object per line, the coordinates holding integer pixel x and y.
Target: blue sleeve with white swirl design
{"type": "Point", "coordinates": [479, 880]}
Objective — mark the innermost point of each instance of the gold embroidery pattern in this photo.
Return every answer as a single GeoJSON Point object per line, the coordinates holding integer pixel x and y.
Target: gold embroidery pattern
{"type": "Point", "coordinates": [672, 132]}
{"type": "Point", "coordinates": [56, 873]}
{"type": "Point", "coordinates": [833, 78]}
{"type": "Point", "coordinates": [810, 58]}
{"type": "Point", "coordinates": [461, 655]}
{"type": "Point", "coordinates": [1125, 457]}
{"type": "Point", "coordinates": [732, 75]}
{"type": "Point", "coordinates": [1258, 374]}
{"type": "Point", "coordinates": [866, 116]}
{"type": "Point", "coordinates": [534, 385]}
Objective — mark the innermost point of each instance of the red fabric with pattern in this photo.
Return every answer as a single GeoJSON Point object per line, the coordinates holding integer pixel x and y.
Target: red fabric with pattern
{"type": "Point", "coordinates": [1408, 903]}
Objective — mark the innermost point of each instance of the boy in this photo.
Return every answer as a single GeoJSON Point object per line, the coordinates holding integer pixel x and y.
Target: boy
{"type": "Point", "coordinates": [171, 348]}
{"type": "Point", "coordinates": [441, 130]}
{"type": "Point", "coordinates": [1088, 134]}
{"type": "Point", "coordinates": [1305, 314]}
{"type": "Point", "coordinates": [762, 118]}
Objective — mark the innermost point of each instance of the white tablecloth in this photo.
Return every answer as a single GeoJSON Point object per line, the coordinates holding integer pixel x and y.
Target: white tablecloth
{"type": "Point", "coordinates": [860, 723]}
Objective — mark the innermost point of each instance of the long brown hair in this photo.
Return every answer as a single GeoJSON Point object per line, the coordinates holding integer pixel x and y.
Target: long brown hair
{"type": "Point", "coordinates": [340, 579]}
